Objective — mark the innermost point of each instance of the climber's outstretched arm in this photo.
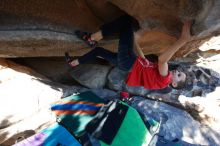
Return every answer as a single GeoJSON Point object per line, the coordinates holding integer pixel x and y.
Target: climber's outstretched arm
{"type": "Point", "coordinates": [167, 55]}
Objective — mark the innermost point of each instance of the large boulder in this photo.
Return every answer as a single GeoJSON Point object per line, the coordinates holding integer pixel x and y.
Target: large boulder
{"type": "Point", "coordinates": [34, 28]}
{"type": "Point", "coordinates": [91, 76]}
{"type": "Point", "coordinates": [176, 123]}
{"type": "Point", "coordinates": [43, 26]}
{"type": "Point", "coordinates": [163, 19]}
{"type": "Point", "coordinates": [164, 15]}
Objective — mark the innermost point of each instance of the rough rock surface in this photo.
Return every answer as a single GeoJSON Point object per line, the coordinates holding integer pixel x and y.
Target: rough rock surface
{"type": "Point", "coordinates": [44, 26]}
{"type": "Point", "coordinates": [163, 15]}
{"type": "Point", "coordinates": [176, 123]}
{"type": "Point", "coordinates": [91, 76]}
{"type": "Point", "coordinates": [116, 79]}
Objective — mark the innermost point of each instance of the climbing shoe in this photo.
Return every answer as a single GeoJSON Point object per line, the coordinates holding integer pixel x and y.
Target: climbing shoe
{"type": "Point", "coordinates": [68, 58]}
{"type": "Point", "coordinates": [86, 37]}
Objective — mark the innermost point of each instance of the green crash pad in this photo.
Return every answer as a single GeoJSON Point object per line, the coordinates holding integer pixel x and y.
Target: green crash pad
{"type": "Point", "coordinates": [75, 111]}
{"type": "Point", "coordinates": [132, 132]}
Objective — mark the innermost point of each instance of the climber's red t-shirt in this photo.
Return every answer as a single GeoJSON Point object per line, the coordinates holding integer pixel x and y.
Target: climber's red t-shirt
{"type": "Point", "coordinates": [145, 73]}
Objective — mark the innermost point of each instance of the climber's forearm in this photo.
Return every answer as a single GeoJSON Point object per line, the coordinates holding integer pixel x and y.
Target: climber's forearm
{"type": "Point", "coordinates": [138, 48]}
{"type": "Point", "coordinates": [167, 55]}
{"type": "Point", "coordinates": [184, 38]}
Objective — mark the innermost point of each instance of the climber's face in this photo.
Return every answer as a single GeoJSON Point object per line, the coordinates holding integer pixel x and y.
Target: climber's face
{"type": "Point", "coordinates": [177, 76]}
